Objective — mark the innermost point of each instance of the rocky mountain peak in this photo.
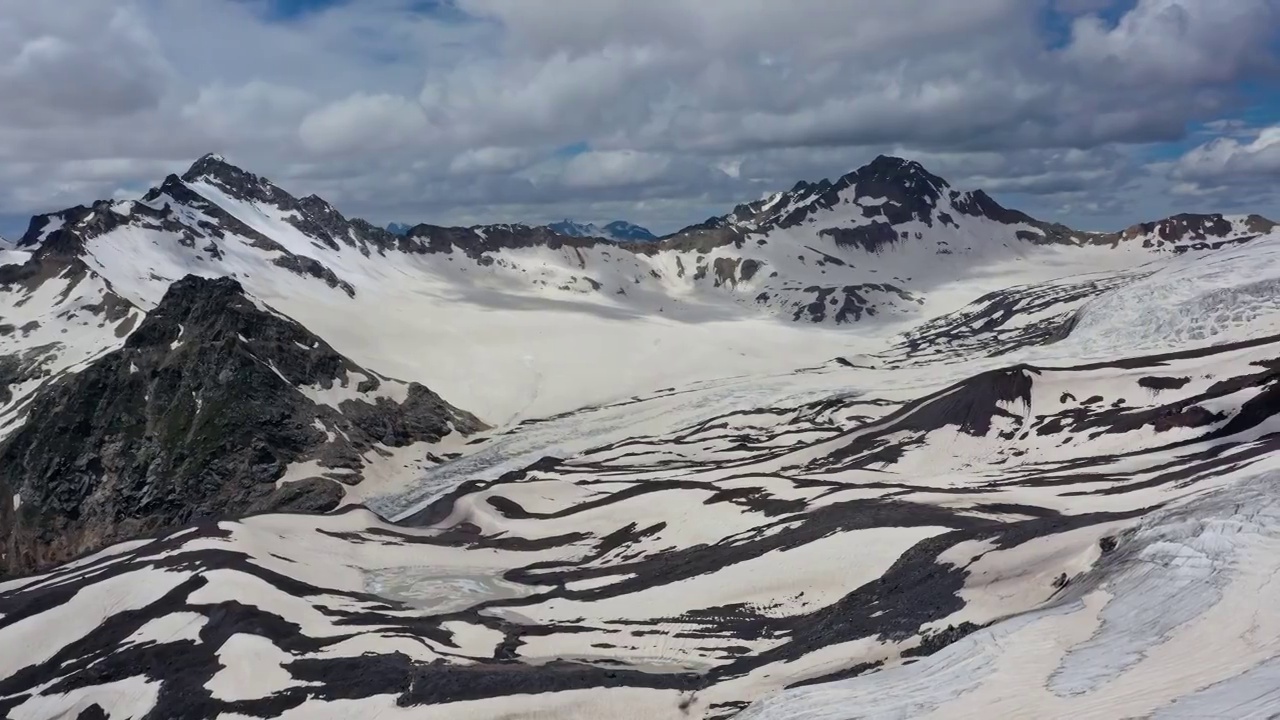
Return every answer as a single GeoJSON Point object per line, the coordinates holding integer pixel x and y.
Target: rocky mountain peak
{"type": "Point", "coordinates": [43, 226]}
{"type": "Point", "coordinates": [907, 174]}
{"type": "Point", "coordinates": [897, 180]}
{"type": "Point", "coordinates": [570, 228]}
{"type": "Point", "coordinates": [312, 215]}
{"type": "Point", "coordinates": [895, 191]}
{"type": "Point", "coordinates": [213, 165]}
{"type": "Point", "coordinates": [1183, 225]}
{"type": "Point", "coordinates": [208, 307]}
{"type": "Point", "coordinates": [891, 191]}
{"type": "Point", "coordinates": [238, 183]}
{"type": "Point", "coordinates": [172, 188]}
{"type": "Point", "coordinates": [62, 234]}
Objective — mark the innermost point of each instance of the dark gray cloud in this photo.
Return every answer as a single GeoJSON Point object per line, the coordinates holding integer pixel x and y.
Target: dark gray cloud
{"type": "Point", "coordinates": [683, 106]}
{"type": "Point", "coordinates": [63, 68]}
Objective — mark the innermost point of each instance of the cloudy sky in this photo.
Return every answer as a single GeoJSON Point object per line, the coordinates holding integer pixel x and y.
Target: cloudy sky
{"type": "Point", "coordinates": [1098, 113]}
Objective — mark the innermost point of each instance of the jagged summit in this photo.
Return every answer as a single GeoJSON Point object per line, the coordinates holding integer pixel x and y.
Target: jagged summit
{"type": "Point", "coordinates": [892, 188]}
{"type": "Point", "coordinates": [188, 295]}
{"type": "Point", "coordinates": [883, 171]}
{"type": "Point", "coordinates": [894, 195]}
{"type": "Point", "coordinates": [214, 170]}
{"type": "Point", "coordinates": [60, 233]}
{"type": "Point", "coordinates": [889, 169]}
{"type": "Point", "coordinates": [211, 164]}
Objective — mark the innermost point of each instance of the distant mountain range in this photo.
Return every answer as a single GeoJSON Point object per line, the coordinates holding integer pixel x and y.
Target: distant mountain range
{"type": "Point", "coordinates": [617, 231]}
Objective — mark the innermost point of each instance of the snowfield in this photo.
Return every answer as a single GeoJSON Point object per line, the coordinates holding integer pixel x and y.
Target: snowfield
{"type": "Point", "coordinates": [1039, 480]}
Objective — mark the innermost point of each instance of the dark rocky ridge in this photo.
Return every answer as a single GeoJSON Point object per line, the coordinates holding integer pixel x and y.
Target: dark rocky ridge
{"type": "Point", "coordinates": [155, 211]}
{"type": "Point", "coordinates": [1186, 232]}
{"type": "Point", "coordinates": [478, 241]}
{"type": "Point", "coordinates": [911, 191]}
{"type": "Point", "coordinates": [311, 215]}
{"type": "Point", "coordinates": [195, 418]}
{"type": "Point", "coordinates": [911, 194]}
{"type": "Point", "coordinates": [630, 231]}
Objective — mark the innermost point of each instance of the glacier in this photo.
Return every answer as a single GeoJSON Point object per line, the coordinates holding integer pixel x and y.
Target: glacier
{"type": "Point", "coordinates": [871, 448]}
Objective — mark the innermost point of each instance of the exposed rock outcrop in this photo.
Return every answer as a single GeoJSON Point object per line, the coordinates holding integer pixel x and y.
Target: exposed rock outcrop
{"type": "Point", "coordinates": [198, 417]}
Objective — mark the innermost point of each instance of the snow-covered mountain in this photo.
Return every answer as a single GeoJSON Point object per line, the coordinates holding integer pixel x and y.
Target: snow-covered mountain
{"type": "Point", "coordinates": [618, 231]}
{"type": "Point", "coordinates": [351, 282]}
{"type": "Point", "coordinates": [871, 447]}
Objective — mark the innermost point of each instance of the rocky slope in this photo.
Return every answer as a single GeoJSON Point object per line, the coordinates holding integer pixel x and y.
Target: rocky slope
{"type": "Point", "coordinates": [56, 314]}
{"type": "Point", "coordinates": [1190, 232]}
{"type": "Point", "coordinates": [200, 415]}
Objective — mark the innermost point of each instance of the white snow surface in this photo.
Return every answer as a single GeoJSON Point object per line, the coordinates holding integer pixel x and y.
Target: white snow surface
{"type": "Point", "coordinates": [1181, 625]}
{"type": "Point", "coordinates": [1040, 481]}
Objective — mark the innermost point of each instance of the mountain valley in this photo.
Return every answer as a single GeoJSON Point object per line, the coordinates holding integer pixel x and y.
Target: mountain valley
{"type": "Point", "coordinates": [872, 447]}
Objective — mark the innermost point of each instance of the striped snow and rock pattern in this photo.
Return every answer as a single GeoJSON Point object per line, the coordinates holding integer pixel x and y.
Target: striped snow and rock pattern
{"type": "Point", "coordinates": [1037, 481]}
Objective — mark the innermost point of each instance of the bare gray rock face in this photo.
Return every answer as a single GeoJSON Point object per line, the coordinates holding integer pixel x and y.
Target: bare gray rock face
{"type": "Point", "coordinates": [197, 417]}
